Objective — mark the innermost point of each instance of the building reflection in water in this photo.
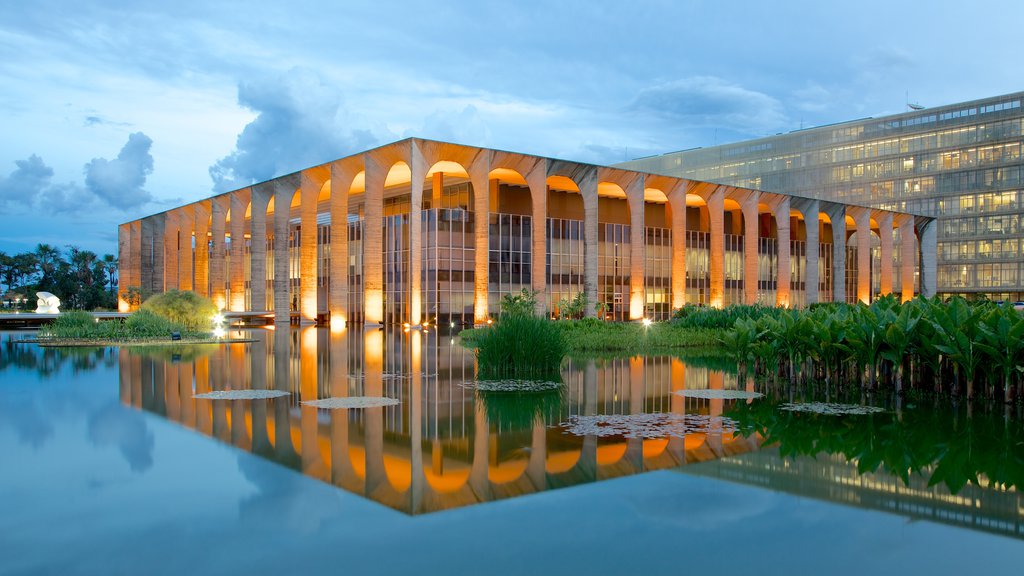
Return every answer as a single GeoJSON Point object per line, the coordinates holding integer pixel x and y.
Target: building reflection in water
{"type": "Point", "coordinates": [445, 445]}
{"type": "Point", "coordinates": [428, 452]}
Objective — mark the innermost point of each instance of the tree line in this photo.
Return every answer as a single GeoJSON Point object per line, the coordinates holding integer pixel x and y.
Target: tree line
{"type": "Point", "coordinates": [81, 279]}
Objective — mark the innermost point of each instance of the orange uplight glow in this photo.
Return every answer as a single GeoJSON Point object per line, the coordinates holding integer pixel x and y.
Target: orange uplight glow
{"type": "Point", "coordinates": [338, 324]}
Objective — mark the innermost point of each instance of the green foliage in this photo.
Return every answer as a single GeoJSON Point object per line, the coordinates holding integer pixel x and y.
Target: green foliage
{"type": "Point", "coordinates": [576, 308]}
{"type": "Point", "coordinates": [691, 316]}
{"type": "Point", "coordinates": [78, 277]}
{"type": "Point", "coordinates": [592, 335]}
{"type": "Point", "coordinates": [520, 346]}
{"type": "Point", "coordinates": [936, 442]}
{"type": "Point", "coordinates": [932, 340]}
{"type": "Point", "coordinates": [141, 325]}
{"type": "Point", "coordinates": [520, 410]}
{"type": "Point", "coordinates": [524, 303]}
{"type": "Point", "coordinates": [183, 307]}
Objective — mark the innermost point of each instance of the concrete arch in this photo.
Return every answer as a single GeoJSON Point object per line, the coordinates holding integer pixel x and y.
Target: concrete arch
{"type": "Point", "coordinates": [674, 192]}
{"type": "Point", "coordinates": [286, 191]}
{"type": "Point", "coordinates": [584, 177]}
{"type": "Point", "coordinates": [343, 184]}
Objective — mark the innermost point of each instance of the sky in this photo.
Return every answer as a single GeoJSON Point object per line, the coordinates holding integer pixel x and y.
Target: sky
{"type": "Point", "coordinates": [110, 111]}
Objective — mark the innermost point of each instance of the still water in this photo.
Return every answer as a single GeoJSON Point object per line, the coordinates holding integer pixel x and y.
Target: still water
{"type": "Point", "coordinates": [111, 466]}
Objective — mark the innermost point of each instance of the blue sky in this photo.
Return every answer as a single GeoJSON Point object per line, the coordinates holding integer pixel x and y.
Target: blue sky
{"type": "Point", "coordinates": [115, 110]}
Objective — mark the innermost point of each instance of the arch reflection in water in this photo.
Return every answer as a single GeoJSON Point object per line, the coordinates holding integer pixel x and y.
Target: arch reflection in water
{"type": "Point", "coordinates": [444, 445]}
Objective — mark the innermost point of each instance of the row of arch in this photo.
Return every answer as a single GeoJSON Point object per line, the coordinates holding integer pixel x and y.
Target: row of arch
{"type": "Point", "coordinates": [159, 241]}
{"type": "Point", "coordinates": [393, 462]}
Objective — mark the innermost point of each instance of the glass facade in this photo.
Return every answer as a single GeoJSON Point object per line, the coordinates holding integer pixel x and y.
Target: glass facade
{"type": "Point", "coordinates": [960, 163]}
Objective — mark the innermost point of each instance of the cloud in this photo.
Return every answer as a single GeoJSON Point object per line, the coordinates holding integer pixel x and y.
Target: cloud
{"type": "Point", "coordinates": [465, 126]}
{"type": "Point", "coordinates": [119, 181]}
{"type": "Point", "coordinates": [118, 426]}
{"type": "Point", "coordinates": [93, 120]}
{"type": "Point", "coordinates": [702, 101]}
{"type": "Point", "coordinates": [24, 185]}
{"type": "Point", "coordinates": [300, 122]}
{"type": "Point", "coordinates": [116, 183]}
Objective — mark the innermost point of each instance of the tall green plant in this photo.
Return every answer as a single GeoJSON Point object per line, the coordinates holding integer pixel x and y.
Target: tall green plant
{"type": "Point", "coordinates": [520, 346]}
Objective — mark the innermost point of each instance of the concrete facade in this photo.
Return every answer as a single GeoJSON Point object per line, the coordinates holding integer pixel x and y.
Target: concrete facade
{"type": "Point", "coordinates": [417, 230]}
{"type": "Point", "coordinates": [962, 164]}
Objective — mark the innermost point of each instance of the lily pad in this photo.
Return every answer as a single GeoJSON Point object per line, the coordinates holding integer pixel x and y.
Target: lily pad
{"type": "Point", "coordinates": [647, 426]}
{"type": "Point", "coordinates": [345, 402]}
{"type": "Point", "coordinates": [831, 409]}
{"type": "Point", "coordinates": [241, 394]}
{"type": "Point", "coordinates": [513, 385]}
{"type": "Point", "coordinates": [718, 394]}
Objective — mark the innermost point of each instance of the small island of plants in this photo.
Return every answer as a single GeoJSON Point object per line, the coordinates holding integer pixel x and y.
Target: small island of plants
{"type": "Point", "coordinates": [180, 317]}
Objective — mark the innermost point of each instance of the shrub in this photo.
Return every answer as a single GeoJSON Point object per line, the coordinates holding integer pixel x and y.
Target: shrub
{"type": "Point", "coordinates": [520, 346]}
{"type": "Point", "coordinates": [186, 308]}
{"type": "Point", "coordinates": [524, 303]}
{"type": "Point", "coordinates": [691, 316]}
{"type": "Point", "coordinates": [142, 325]}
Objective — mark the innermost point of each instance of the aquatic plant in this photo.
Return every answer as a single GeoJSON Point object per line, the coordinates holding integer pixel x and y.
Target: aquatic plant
{"type": "Point", "coordinates": [182, 307]}
{"type": "Point", "coordinates": [520, 346]}
{"type": "Point", "coordinates": [141, 325]}
{"type": "Point", "coordinates": [920, 344]}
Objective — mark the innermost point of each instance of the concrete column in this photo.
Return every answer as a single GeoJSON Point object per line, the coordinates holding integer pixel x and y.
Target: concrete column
{"type": "Point", "coordinates": [479, 170]}
{"type": "Point", "coordinates": [218, 223]}
{"type": "Point", "coordinates": [637, 248]}
{"type": "Point", "coordinates": [417, 478]}
{"type": "Point", "coordinates": [811, 209]}
{"type": "Point", "coordinates": [588, 188]}
{"type": "Point", "coordinates": [748, 205]}
{"type": "Point", "coordinates": [158, 225]}
{"type": "Point", "coordinates": [202, 250]}
{"type": "Point", "coordinates": [171, 251]}
{"type": "Point", "coordinates": [337, 290]}
{"type": "Point", "coordinates": [783, 273]}
{"type": "Point", "coordinates": [418, 173]}
{"type": "Point", "coordinates": [437, 190]}
{"type": "Point", "coordinates": [537, 181]}
{"type": "Point", "coordinates": [310, 186]}
{"type": "Point", "coordinates": [926, 229]}
{"type": "Point", "coordinates": [236, 275]}
{"type": "Point", "coordinates": [135, 255]}
{"type": "Point", "coordinates": [716, 222]}
{"type": "Point", "coordinates": [186, 227]}
{"type": "Point", "coordinates": [146, 254]}
{"type": "Point", "coordinates": [373, 241]}
{"type": "Point", "coordinates": [124, 233]}
{"type": "Point", "coordinates": [481, 242]}
{"type": "Point", "coordinates": [312, 461]}
{"type": "Point", "coordinates": [677, 203]}
{"type": "Point", "coordinates": [885, 234]}
{"type": "Point", "coordinates": [908, 256]}
{"type": "Point", "coordinates": [261, 195]}
{"type": "Point", "coordinates": [837, 215]}
{"type": "Point", "coordinates": [373, 427]}
{"type": "Point", "coordinates": [862, 218]}
{"type": "Point", "coordinates": [284, 191]}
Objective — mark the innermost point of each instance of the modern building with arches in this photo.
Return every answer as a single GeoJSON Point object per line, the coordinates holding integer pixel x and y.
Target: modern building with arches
{"type": "Point", "coordinates": [420, 231]}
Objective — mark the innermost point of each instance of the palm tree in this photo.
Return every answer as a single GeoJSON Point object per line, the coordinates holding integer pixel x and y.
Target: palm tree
{"type": "Point", "coordinates": [110, 262]}
{"type": "Point", "coordinates": [47, 258]}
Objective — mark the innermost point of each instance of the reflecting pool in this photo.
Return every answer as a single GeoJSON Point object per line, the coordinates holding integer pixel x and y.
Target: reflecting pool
{"type": "Point", "coordinates": [648, 464]}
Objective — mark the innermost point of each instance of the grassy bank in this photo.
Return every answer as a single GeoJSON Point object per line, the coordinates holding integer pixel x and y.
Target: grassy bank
{"type": "Point", "coordinates": [591, 335]}
{"type": "Point", "coordinates": [80, 328]}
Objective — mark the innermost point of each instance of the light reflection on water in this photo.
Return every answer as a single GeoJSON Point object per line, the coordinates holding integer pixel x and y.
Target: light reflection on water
{"type": "Point", "coordinates": [428, 453]}
{"type": "Point", "coordinates": [103, 467]}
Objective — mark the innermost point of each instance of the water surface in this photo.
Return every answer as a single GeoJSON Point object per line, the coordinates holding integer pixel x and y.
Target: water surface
{"type": "Point", "coordinates": [113, 467]}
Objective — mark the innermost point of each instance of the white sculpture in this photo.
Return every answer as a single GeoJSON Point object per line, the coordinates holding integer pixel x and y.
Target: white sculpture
{"type": "Point", "coordinates": [47, 303]}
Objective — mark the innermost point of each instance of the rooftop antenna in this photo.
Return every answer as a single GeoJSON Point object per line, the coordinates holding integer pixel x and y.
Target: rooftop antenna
{"type": "Point", "coordinates": [914, 105]}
